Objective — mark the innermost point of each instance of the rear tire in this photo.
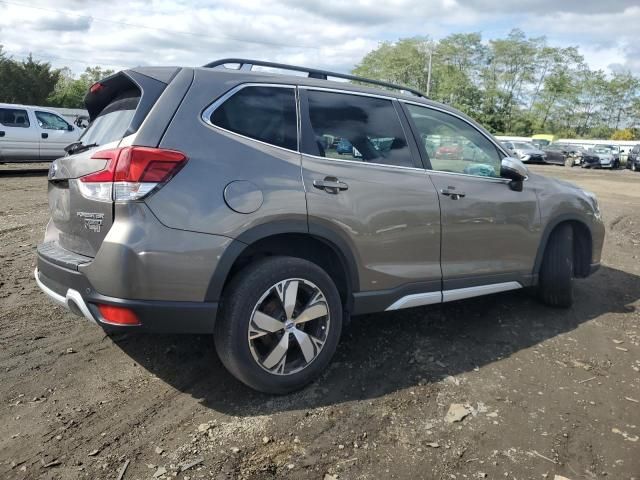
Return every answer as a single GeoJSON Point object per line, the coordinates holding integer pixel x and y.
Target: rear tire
{"type": "Point", "coordinates": [250, 333]}
{"type": "Point", "coordinates": [556, 272]}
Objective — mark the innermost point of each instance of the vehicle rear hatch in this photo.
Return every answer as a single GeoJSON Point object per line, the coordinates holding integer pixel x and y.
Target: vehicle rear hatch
{"type": "Point", "coordinates": [83, 212]}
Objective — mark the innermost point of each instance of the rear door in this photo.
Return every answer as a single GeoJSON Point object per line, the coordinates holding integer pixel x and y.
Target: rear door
{"type": "Point", "coordinates": [490, 233]}
{"type": "Point", "coordinates": [18, 135]}
{"type": "Point", "coordinates": [55, 134]}
{"type": "Point", "coordinates": [375, 196]}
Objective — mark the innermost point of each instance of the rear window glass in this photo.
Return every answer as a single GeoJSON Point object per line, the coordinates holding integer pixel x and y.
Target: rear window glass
{"type": "Point", "coordinates": [359, 128]}
{"type": "Point", "coordinates": [112, 123]}
{"type": "Point", "coordinates": [267, 114]}
{"type": "Point", "coordinates": [14, 117]}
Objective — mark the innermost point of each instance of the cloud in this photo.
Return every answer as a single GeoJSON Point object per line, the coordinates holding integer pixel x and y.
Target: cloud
{"type": "Point", "coordinates": [61, 23]}
{"type": "Point", "coordinates": [332, 34]}
{"type": "Point", "coordinates": [584, 7]}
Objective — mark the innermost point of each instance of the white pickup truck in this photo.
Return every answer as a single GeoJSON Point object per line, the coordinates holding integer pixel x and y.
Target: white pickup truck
{"type": "Point", "coordinates": [33, 133]}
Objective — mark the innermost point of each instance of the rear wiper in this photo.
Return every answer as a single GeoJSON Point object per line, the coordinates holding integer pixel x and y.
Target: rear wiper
{"type": "Point", "coordinates": [77, 147]}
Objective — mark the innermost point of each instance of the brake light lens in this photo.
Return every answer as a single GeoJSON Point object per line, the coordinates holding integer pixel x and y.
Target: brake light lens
{"type": "Point", "coordinates": [131, 173]}
{"type": "Point", "coordinates": [96, 87]}
{"type": "Point", "coordinates": [115, 315]}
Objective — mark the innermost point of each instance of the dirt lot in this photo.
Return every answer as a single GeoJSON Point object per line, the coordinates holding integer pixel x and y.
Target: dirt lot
{"type": "Point", "coordinates": [546, 391]}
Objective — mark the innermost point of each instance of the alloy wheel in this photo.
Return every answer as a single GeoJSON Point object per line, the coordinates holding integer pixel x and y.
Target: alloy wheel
{"type": "Point", "coordinates": [289, 326]}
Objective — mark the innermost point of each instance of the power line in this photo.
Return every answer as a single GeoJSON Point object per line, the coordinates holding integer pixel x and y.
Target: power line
{"type": "Point", "coordinates": [164, 30]}
{"type": "Point", "coordinates": [47, 56]}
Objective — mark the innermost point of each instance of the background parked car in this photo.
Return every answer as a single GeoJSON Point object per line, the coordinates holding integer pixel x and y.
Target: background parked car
{"type": "Point", "coordinates": [564, 154]}
{"type": "Point", "coordinates": [633, 160]}
{"type": "Point", "coordinates": [609, 155]}
{"type": "Point", "coordinates": [33, 133]}
{"type": "Point", "coordinates": [526, 152]}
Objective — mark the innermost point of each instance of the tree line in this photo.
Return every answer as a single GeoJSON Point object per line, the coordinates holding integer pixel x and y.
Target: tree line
{"type": "Point", "coordinates": [31, 82]}
{"type": "Point", "coordinates": [517, 85]}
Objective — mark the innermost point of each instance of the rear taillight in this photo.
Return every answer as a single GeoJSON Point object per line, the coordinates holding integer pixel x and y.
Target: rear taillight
{"type": "Point", "coordinates": [131, 173]}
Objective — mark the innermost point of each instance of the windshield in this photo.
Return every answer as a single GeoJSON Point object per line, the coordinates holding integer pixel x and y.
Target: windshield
{"type": "Point", "coordinates": [523, 146]}
{"type": "Point", "coordinates": [601, 149]}
{"type": "Point", "coordinates": [605, 149]}
{"type": "Point", "coordinates": [112, 123]}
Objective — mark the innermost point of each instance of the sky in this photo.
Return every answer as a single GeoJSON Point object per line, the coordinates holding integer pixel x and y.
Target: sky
{"type": "Point", "coordinates": [330, 34]}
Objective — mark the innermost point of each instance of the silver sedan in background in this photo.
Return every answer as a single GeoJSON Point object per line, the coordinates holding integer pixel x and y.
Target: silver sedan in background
{"type": "Point", "coordinates": [526, 152]}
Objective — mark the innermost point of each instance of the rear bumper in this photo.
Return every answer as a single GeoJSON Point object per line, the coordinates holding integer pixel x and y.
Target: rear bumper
{"type": "Point", "coordinates": [72, 290]}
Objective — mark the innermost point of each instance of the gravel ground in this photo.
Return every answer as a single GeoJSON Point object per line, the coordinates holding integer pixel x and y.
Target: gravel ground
{"type": "Point", "coordinates": [536, 392]}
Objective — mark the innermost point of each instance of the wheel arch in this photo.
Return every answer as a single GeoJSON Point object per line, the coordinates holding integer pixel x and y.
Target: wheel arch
{"type": "Point", "coordinates": [582, 243]}
{"type": "Point", "coordinates": [321, 246]}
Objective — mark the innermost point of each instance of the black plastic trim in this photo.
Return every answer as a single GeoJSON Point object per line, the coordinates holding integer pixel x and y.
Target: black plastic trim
{"type": "Point", "coordinates": [157, 316]}
{"type": "Point", "coordinates": [243, 241]}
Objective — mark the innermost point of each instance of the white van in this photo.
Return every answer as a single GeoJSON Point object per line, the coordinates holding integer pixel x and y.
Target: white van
{"type": "Point", "coordinates": [33, 133]}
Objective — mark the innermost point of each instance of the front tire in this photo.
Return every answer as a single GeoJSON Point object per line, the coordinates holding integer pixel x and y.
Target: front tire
{"type": "Point", "coordinates": [280, 324]}
{"type": "Point", "coordinates": [556, 272]}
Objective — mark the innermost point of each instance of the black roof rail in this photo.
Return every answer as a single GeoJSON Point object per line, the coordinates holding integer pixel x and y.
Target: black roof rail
{"type": "Point", "coordinates": [247, 65]}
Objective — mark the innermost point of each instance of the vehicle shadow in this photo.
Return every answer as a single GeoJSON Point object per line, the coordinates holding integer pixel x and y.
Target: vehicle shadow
{"type": "Point", "coordinates": [386, 352]}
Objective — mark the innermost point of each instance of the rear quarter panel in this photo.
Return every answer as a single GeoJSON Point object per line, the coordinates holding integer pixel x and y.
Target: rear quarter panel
{"type": "Point", "coordinates": [193, 200]}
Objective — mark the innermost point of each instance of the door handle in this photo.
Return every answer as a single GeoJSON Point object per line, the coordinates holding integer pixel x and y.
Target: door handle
{"type": "Point", "coordinates": [44, 135]}
{"type": "Point", "coordinates": [330, 185]}
{"type": "Point", "coordinates": [453, 195]}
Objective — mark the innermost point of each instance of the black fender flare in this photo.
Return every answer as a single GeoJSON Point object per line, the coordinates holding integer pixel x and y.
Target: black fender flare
{"type": "Point", "coordinates": [316, 230]}
{"type": "Point", "coordinates": [551, 225]}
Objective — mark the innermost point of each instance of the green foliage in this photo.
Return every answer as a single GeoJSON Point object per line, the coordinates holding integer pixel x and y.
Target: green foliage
{"type": "Point", "coordinates": [36, 83]}
{"type": "Point", "coordinates": [516, 85]}
{"type": "Point", "coordinates": [69, 92]}
{"type": "Point", "coordinates": [27, 81]}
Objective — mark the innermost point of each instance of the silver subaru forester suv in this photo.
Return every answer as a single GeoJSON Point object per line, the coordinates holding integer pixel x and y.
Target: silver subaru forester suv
{"type": "Point", "coordinates": [266, 209]}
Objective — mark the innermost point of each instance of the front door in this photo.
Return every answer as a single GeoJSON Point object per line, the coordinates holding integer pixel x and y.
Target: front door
{"type": "Point", "coordinates": [490, 233]}
{"type": "Point", "coordinates": [364, 183]}
{"type": "Point", "coordinates": [55, 134]}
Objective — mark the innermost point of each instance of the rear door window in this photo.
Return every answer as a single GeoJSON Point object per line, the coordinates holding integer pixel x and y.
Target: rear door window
{"type": "Point", "coordinates": [14, 117]}
{"type": "Point", "coordinates": [356, 127]}
{"type": "Point", "coordinates": [267, 114]}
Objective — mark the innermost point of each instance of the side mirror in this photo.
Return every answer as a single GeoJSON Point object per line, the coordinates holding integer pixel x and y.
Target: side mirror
{"type": "Point", "coordinates": [70, 128]}
{"type": "Point", "coordinates": [514, 170]}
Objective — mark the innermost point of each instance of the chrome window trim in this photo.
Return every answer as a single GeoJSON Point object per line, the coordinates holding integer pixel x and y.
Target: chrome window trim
{"type": "Point", "coordinates": [497, 145]}
{"type": "Point", "coordinates": [205, 116]}
{"type": "Point", "coordinates": [348, 92]}
{"type": "Point", "coordinates": [357, 162]}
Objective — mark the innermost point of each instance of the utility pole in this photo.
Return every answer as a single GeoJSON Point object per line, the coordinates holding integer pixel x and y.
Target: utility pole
{"type": "Point", "coordinates": [429, 71]}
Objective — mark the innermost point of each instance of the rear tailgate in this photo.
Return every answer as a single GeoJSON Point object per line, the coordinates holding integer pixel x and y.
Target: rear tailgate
{"type": "Point", "coordinates": [82, 213]}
